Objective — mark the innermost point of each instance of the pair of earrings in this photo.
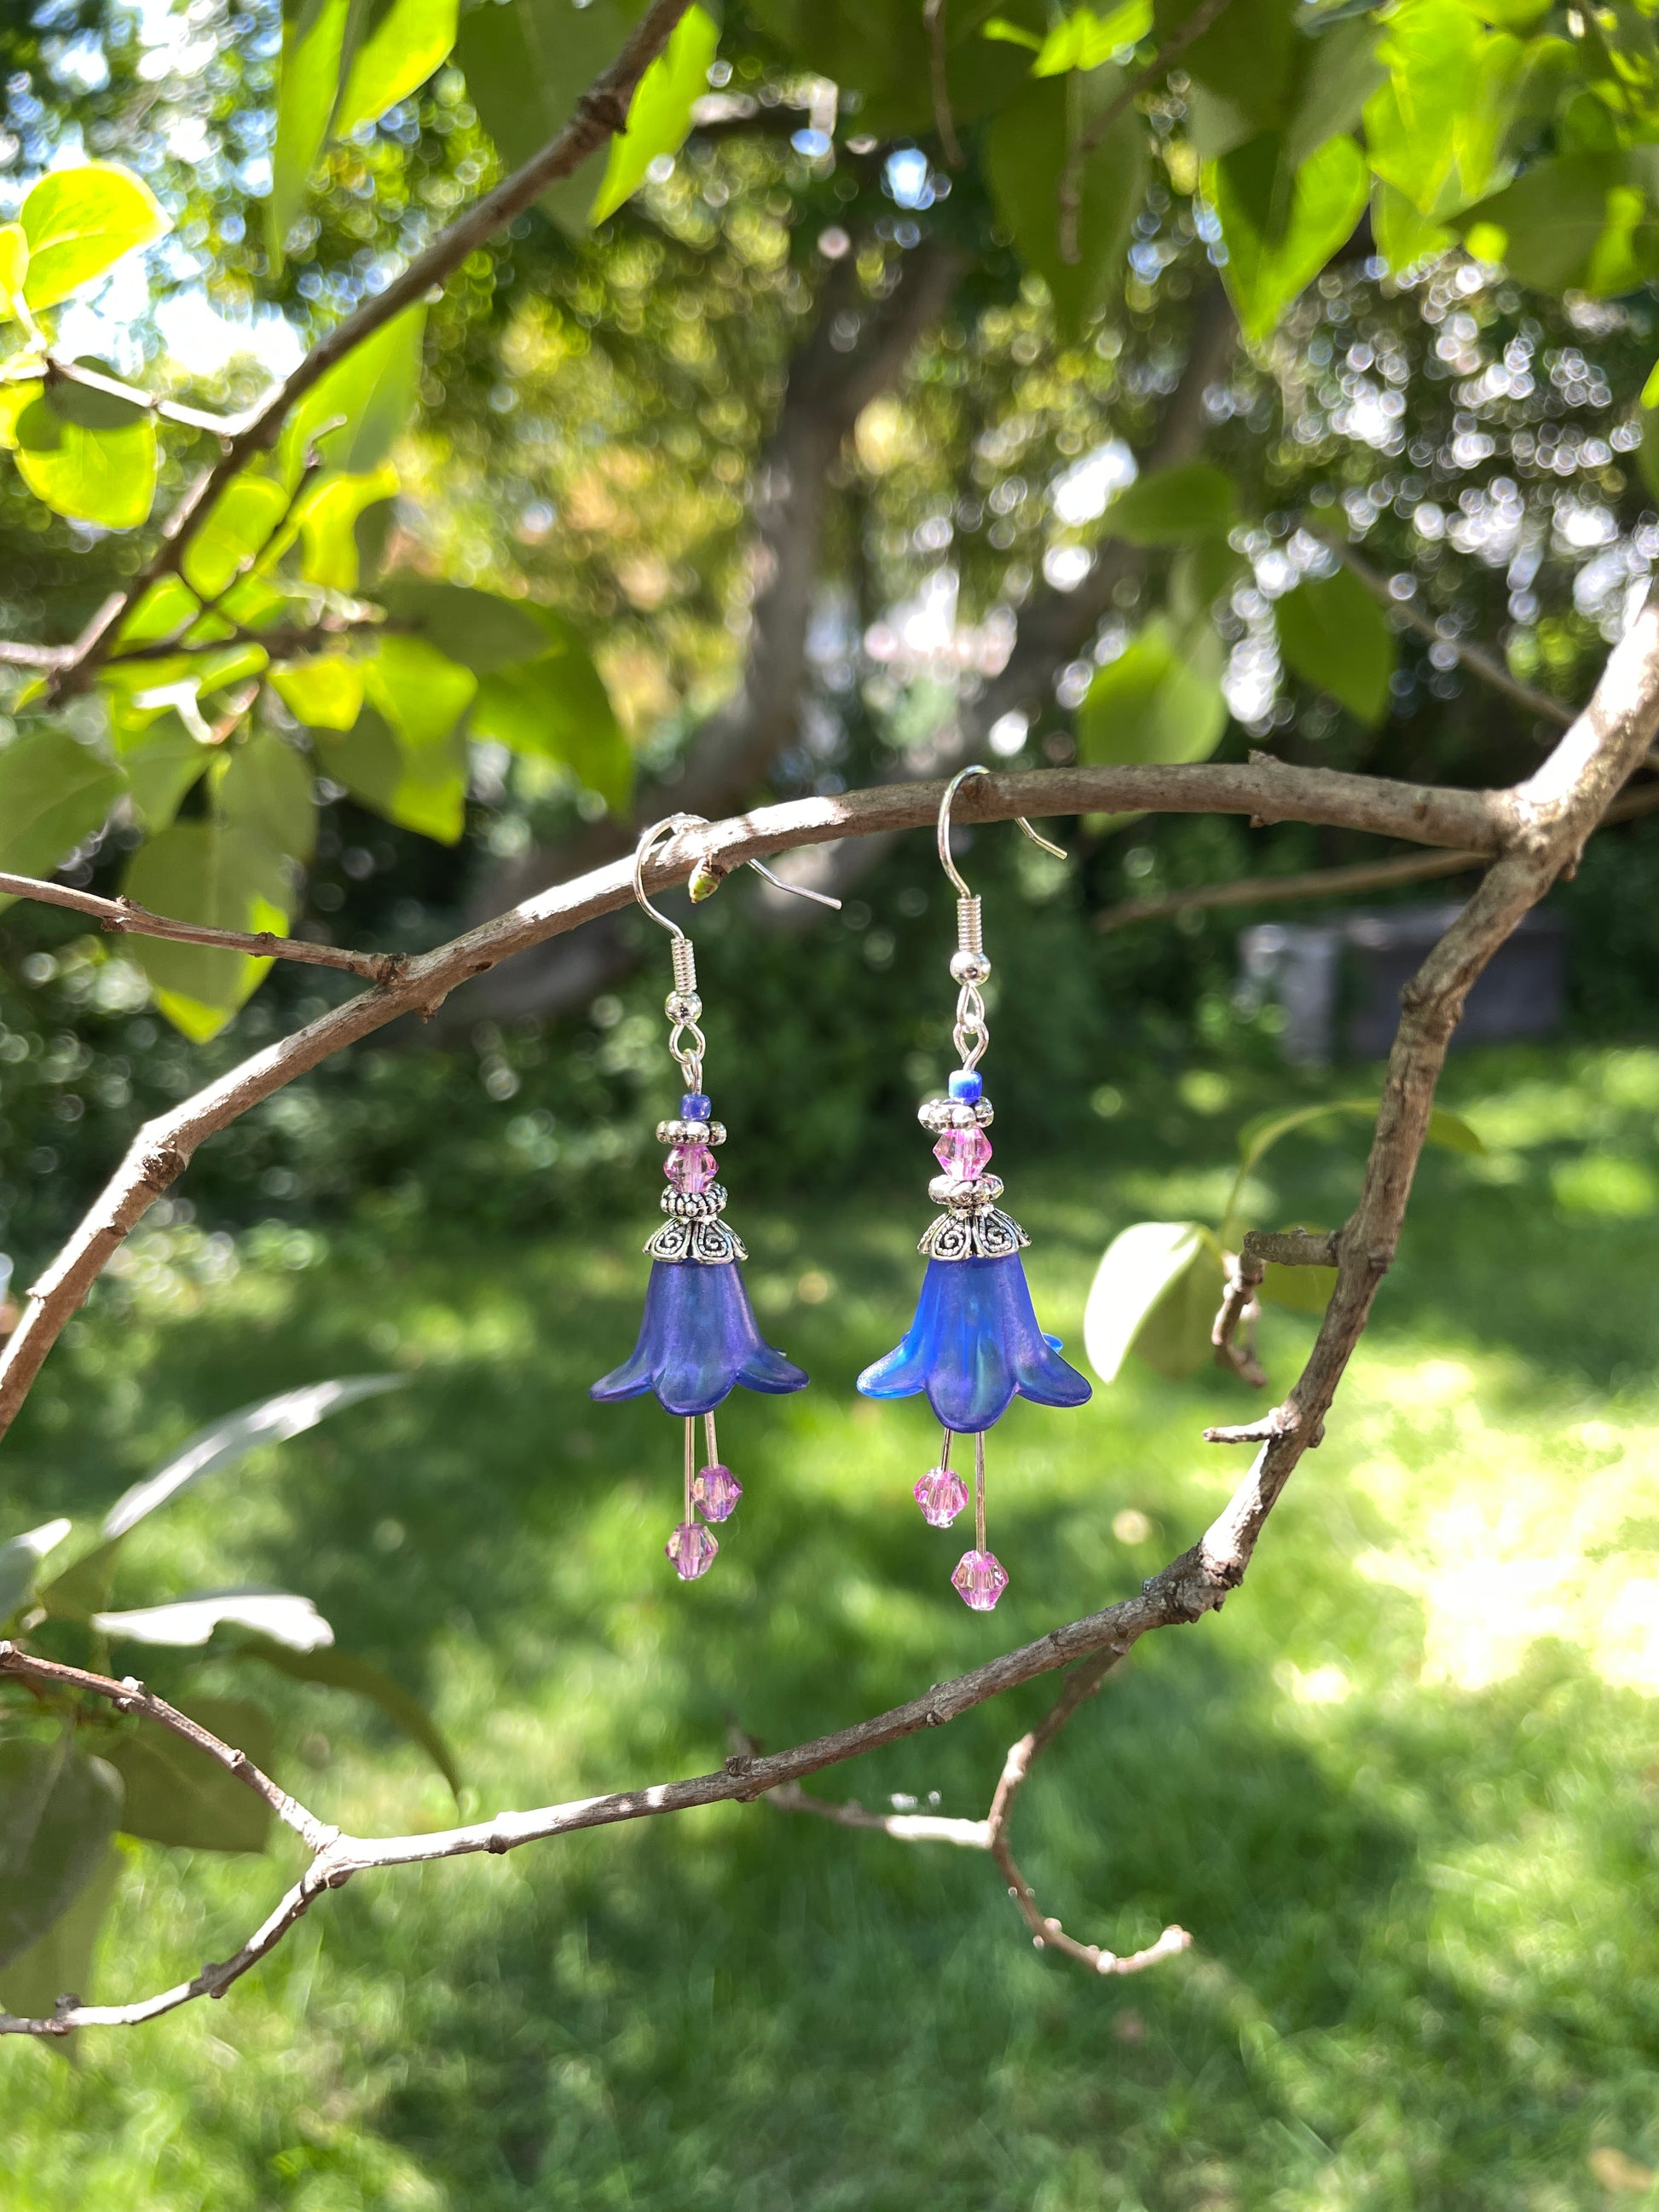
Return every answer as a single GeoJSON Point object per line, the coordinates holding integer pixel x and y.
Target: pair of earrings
{"type": "Point", "coordinates": [975, 1344]}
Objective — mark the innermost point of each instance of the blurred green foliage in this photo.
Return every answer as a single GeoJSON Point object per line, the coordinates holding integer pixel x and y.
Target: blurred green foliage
{"type": "Point", "coordinates": [1415, 1849]}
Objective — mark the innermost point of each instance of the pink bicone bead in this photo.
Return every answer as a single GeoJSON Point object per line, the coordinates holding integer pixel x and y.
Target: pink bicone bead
{"type": "Point", "coordinates": [691, 1550]}
{"type": "Point", "coordinates": [980, 1580]}
{"type": "Point", "coordinates": [689, 1167]}
{"type": "Point", "coordinates": [964, 1152]}
{"type": "Point", "coordinates": [715, 1492]}
{"type": "Point", "coordinates": [941, 1494]}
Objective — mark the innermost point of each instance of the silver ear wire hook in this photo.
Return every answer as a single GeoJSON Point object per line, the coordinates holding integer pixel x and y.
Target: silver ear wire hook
{"type": "Point", "coordinates": [974, 767]}
{"type": "Point", "coordinates": [683, 1006]}
{"type": "Point", "coordinates": [968, 963]}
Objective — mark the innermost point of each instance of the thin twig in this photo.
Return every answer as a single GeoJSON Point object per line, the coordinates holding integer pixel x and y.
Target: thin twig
{"type": "Point", "coordinates": [600, 111]}
{"type": "Point", "coordinates": [1086, 143]}
{"type": "Point", "coordinates": [124, 916]}
{"type": "Point", "coordinates": [52, 368]}
{"type": "Point", "coordinates": [932, 14]}
{"type": "Point", "coordinates": [1234, 1334]}
{"type": "Point", "coordinates": [1480, 663]}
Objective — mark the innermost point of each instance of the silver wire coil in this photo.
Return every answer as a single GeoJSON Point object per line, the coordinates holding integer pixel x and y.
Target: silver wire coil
{"type": "Point", "coordinates": [970, 936]}
{"type": "Point", "coordinates": [685, 965]}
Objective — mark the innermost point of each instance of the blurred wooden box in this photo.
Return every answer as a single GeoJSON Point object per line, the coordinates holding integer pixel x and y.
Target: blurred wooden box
{"type": "Point", "coordinates": [1338, 980]}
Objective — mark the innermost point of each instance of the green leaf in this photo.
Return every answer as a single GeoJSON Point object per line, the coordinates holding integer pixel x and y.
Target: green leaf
{"type": "Point", "coordinates": [59, 1963]}
{"type": "Point", "coordinates": [1298, 1290]}
{"type": "Point", "coordinates": [1404, 238]}
{"type": "Point", "coordinates": [186, 1622]}
{"type": "Point", "coordinates": [1155, 1293]}
{"type": "Point", "coordinates": [262, 790]}
{"type": "Point", "coordinates": [1012, 34]}
{"type": "Point", "coordinates": [526, 64]}
{"type": "Point", "coordinates": [104, 476]}
{"type": "Point", "coordinates": [1199, 576]}
{"type": "Point", "coordinates": [224, 1443]}
{"type": "Point", "coordinates": [162, 758]}
{"type": "Point", "coordinates": [315, 56]}
{"type": "Point", "coordinates": [13, 267]}
{"type": "Point", "coordinates": [1246, 58]}
{"type": "Point", "coordinates": [1160, 700]}
{"type": "Point", "coordinates": [344, 1670]}
{"type": "Point", "coordinates": [91, 408]}
{"type": "Point", "coordinates": [1174, 507]}
{"type": "Point", "coordinates": [1581, 223]}
{"type": "Point", "coordinates": [325, 693]}
{"type": "Point", "coordinates": [1282, 226]}
{"type": "Point", "coordinates": [225, 879]}
{"type": "Point", "coordinates": [1082, 40]}
{"type": "Point", "coordinates": [1336, 637]}
{"type": "Point", "coordinates": [660, 114]}
{"type": "Point", "coordinates": [54, 792]}
{"type": "Point", "coordinates": [57, 1811]}
{"type": "Point", "coordinates": [19, 1558]}
{"type": "Point", "coordinates": [14, 399]}
{"type": "Point", "coordinates": [1026, 163]}
{"type": "Point", "coordinates": [412, 40]}
{"type": "Point", "coordinates": [557, 708]}
{"type": "Point", "coordinates": [421, 787]}
{"type": "Point", "coordinates": [79, 222]}
{"type": "Point", "coordinates": [165, 610]}
{"type": "Point", "coordinates": [370, 395]}
{"type": "Point", "coordinates": [1342, 71]}
{"type": "Point", "coordinates": [244, 516]}
{"type": "Point", "coordinates": [420, 691]}
{"type": "Point", "coordinates": [180, 1795]}
{"type": "Point", "coordinates": [479, 629]}
{"type": "Point", "coordinates": [327, 517]}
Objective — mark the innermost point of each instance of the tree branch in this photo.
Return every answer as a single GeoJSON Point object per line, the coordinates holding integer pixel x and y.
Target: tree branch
{"type": "Point", "coordinates": [124, 916]}
{"type": "Point", "coordinates": [1539, 827]}
{"type": "Point", "coordinates": [1479, 662]}
{"type": "Point", "coordinates": [53, 368]}
{"type": "Point", "coordinates": [1335, 883]}
{"type": "Point", "coordinates": [601, 111]}
{"type": "Point", "coordinates": [1264, 789]}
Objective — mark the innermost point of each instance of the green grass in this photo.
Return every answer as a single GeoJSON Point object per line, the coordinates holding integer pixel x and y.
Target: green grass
{"type": "Point", "coordinates": [1401, 1791]}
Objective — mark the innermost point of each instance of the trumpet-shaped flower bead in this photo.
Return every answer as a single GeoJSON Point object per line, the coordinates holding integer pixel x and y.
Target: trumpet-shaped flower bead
{"type": "Point", "coordinates": [698, 1339]}
{"type": "Point", "coordinates": [691, 1550]}
{"type": "Point", "coordinates": [980, 1580]}
{"type": "Point", "coordinates": [975, 1346]}
{"type": "Point", "coordinates": [941, 1494]}
{"type": "Point", "coordinates": [716, 1492]}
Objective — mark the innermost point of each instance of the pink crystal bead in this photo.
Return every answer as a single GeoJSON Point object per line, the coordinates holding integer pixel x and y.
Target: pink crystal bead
{"type": "Point", "coordinates": [964, 1152]}
{"type": "Point", "coordinates": [689, 1167]}
{"type": "Point", "coordinates": [941, 1494]}
{"type": "Point", "coordinates": [691, 1550]}
{"type": "Point", "coordinates": [716, 1492]}
{"type": "Point", "coordinates": [980, 1580]}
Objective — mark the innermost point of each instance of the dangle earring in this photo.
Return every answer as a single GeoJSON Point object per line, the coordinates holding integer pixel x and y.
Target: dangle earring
{"type": "Point", "coordinates": [975, 1344]}
{"type": "Point", "coordinates": [698, 1338]}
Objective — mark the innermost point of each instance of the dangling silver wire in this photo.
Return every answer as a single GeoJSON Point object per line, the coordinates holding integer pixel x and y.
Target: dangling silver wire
{"type": "Point", "coordinates": [969, 964]}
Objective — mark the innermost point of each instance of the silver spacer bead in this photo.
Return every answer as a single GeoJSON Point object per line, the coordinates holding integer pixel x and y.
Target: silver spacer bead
{"type": "Point", "coordinates": [964, 1193]}
{"type": "Point", "coordinates": [970, 967]}
{"type": "Point", "coordinates": [683, 1006]}
{"type": "Point", "coordinates": [941, 1114]}
{"type": "Point", "coordinates": [683, 1132]}
{"type": "Point", "coordinates": [694, 1204]}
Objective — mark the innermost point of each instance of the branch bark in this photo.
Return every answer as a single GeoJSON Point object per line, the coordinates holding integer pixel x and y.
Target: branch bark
{"type": "Point", "coordinates": [124, 916]}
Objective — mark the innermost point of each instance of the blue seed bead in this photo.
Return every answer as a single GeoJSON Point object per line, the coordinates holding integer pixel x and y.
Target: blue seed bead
{"type": "Point", "coordinates": [968, 1086]}
{"type": "Point", "coordinates": [694, 1107]}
